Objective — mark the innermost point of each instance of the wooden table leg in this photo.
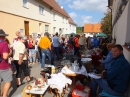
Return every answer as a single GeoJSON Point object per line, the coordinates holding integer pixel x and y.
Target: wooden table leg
{"type": "Point", "coordinates": [73, 82]}
{"type": "Point", "coordinates": [41, 95]}
{"type": "Point", "coordinates": [60, 94]}
{"type": "Point", "coordinates": [30, 95]}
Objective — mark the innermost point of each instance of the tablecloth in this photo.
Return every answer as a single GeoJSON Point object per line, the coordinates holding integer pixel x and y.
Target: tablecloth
{"type": "Point", "coordinates": [81, 71]}
{"type": "Point", "coordinates": [59, 81]}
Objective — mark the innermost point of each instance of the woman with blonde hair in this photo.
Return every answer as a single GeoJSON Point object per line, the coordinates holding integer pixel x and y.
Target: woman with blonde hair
{"type": "Point", "coordinates": [32, 51]}
{"type": "Point", "coordinates": [106, 63]}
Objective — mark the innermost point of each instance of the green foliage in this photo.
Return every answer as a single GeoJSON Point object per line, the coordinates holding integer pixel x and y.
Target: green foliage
{"type": "Point", "coordinates": [107, 24]}
{"type": "Point", "coordinates": [79, 29]}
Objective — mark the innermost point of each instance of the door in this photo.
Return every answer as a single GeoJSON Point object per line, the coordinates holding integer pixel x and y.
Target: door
{"type": "Point", "coordinates": [26, 25]}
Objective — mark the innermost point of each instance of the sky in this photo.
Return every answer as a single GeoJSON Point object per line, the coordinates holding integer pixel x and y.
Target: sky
{"type": "Point", "coordinates": [85, 11]}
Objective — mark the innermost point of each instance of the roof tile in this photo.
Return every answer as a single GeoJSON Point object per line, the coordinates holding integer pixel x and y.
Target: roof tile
{"type": "Point", "coordinates": [56, 7]}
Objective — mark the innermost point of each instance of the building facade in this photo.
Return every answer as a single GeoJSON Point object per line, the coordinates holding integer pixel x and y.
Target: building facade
{"type": "Point", "coordinates": [26, 16]}
{"type": "Point", "coordinates": [60, 20]}
{"type": "Point", "coordinates": [32, 16]}
{"type": "Point", "coordinates": [121, 25]}
{"type": "Point", "coordinates": [71, 26]}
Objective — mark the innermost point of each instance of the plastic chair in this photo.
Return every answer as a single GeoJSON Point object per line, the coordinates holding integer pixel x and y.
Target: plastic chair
{"type": "Point", "coordinates": [105, 94]}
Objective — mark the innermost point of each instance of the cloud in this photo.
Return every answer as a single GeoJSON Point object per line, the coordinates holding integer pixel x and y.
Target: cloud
{"type": "Point", "coordinates": [89, 5]}
{"type": "Point", "coordinates": [73, 15]}
{"type": "Point", "coordinates": [86, 19]}
{"type": "Point", "coordinates": [63, 1]}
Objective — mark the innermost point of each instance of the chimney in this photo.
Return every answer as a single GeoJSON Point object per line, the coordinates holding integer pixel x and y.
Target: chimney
{"type": "Point", "coordinates": [61, 7]}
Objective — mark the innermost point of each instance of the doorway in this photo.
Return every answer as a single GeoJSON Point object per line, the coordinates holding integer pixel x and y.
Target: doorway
{"type": "Point", "coordinates": [26, 25]}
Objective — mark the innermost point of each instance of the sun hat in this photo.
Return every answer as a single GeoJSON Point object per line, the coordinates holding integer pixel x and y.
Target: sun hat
{"type": "Point", "coordinates": [2, 33]}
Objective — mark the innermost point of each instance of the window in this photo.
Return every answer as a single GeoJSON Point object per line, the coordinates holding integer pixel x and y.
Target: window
{"type": "Point", "coordinates": [54, 16]}
{"type": "Point", "coordinates": [66, 21]}
{"type": "Point", "coordinates": [41, 9]}
{"type": "Point", "coordinates": [21, 30]}
{"type": "Point", "coordinates": [34, 35]}
{"type": "Point", "coordinates": [63, 19]}
{"type": "Point", "coordinates": [40, 27]}
{"type": "Point", "coordinates": [25, 3]}
{"type": "Point", "coordinates": [46, 28]}
{"type": "Point", "coordinates": [54, 28]}
{"type": "Point", "coordinates": [70, 27]}
{"type": "Point", "coordinates": [63, 30]}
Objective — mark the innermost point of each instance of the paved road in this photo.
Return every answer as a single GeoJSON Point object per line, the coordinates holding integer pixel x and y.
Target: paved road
{"type": "Point", "coordinates": [34, 72]}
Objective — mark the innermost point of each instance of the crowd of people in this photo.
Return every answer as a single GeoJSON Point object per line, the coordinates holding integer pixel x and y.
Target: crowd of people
{"type": "Point", "coordinates": [26, 50]}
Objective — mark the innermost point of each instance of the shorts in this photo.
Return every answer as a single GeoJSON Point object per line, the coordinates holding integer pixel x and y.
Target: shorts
{"type": "Point", "coordinates": [6, 75]}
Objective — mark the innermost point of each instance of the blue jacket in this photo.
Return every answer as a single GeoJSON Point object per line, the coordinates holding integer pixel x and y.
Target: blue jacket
{"type": "Point", "coordinates": [107, 61]}
{"type": "Point", "coordinates": [118, 76]}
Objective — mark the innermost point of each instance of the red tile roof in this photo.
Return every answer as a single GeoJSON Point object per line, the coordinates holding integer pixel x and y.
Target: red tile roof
{"type": "Point", "coordinates": [56, 7]}
{"type": "Point", "coordinates": [71, 21]}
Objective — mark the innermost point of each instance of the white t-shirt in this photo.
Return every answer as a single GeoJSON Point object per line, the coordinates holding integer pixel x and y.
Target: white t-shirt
{"type": "Point", "coordinates": [19, 47]}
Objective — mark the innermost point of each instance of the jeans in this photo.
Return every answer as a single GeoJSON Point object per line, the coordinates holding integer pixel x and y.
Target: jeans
{"type": "Point", "coordinates": [76, 51]}
{"type": "Point", "coordinates": [32, 55]}
{"type": "Point", "coordinates": [56, 51]}
{"type": "Point", "coordinates": [103, 85]}
{"type": "Point", "coordinates": [45, 52]}
{"type": "Point", "coordinates": [39, 54]}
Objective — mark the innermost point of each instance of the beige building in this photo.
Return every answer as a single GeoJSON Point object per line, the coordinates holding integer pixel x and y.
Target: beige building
{"type": "Point", "coordinates": [32, 16]}
{"type": "Point", "coordinates": [121, 25]}
{"type": "Point", "coordinates": [26, 16]}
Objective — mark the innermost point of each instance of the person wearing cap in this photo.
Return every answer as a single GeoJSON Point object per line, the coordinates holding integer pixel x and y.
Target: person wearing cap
{"type": "Point", "coordinates": [45, 46]}
{"type": "Point", "coordinates": [5, 69]}
{"type": "Point", "coordinates": [20, 59]}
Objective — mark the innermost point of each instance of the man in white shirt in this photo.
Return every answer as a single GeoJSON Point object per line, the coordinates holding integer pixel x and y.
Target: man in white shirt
{"type": "Point", "coordinates": [56, 45]}
{"type": "Point", "coordinates": [20, 59]}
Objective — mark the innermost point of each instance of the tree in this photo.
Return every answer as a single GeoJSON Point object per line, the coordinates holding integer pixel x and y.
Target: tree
{"type": "Point", "coordinates": [106, 23]}
{"type": "Point", "coordinates": [79, 29]}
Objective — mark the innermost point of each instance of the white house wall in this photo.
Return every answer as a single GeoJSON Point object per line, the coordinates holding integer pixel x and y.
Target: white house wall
{"type": "Point", "coordinates": [122, 32]}
{"type": "Point", "coordinates": [71, 28]}
{"type": "Point", "coordinates": [58, 23]}
{"type": "Point", "coordinates": [120, 28]}
{"type": "Point", "coordinates": [32, 12]}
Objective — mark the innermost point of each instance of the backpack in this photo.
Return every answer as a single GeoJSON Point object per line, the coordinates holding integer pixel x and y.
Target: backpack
{"type": "Point", "coordinates": [0, 57]}
{"type": "Point", "coordinates": [30, 45]}
{"type": "Point", "coordinates": [96, 42]}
